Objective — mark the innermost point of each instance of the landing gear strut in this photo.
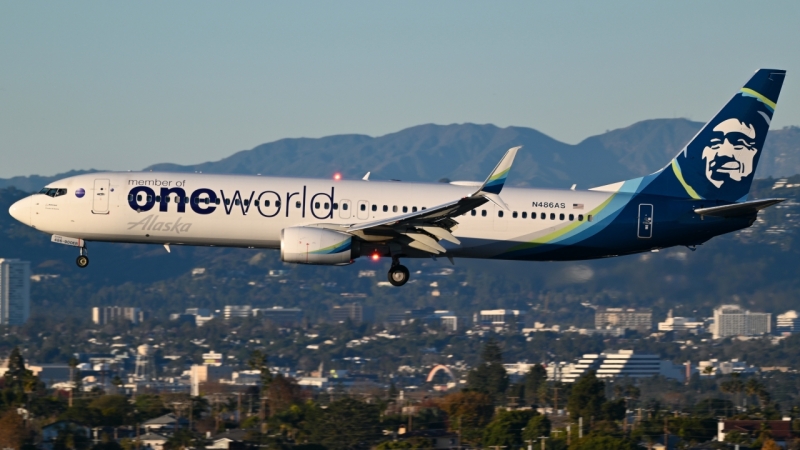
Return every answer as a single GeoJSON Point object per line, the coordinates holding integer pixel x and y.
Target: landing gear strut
{"type": "Point", "coordinates": [83, 259]}
{"type": "Point", "coordinates": [398, 273]}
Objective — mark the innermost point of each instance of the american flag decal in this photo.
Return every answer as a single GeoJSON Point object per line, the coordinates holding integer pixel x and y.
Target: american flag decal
{"type": "Point", "coordinates": [577, 206]}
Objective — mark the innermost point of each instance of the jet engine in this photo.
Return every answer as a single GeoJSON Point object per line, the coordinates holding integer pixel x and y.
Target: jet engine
{"type": "Point", "coordinates": [310, 245]}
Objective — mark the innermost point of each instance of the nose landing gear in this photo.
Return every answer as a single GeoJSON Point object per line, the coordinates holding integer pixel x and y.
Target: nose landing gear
{"type": "Point", "coordinates": [398, 273]}
{"type": "Point", "coordinates": [83, 259]}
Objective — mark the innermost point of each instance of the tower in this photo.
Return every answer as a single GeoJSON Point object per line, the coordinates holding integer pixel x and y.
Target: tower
{"type": "Point", "coordinates": [145, 368]}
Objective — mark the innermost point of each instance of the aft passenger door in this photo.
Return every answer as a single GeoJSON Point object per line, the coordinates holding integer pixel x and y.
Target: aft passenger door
{"type": "Point", "coordinates": [101, 194]}
{"type": "Point", "coordinates": [363, 210]}
{"type": "Point", "coordinates": [344, 209]}
{"type": "Point", "coordinates": [645, 221]}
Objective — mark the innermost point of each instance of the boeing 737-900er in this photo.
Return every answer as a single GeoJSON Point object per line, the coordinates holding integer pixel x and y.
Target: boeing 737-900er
{"type": "Point", "coordinates": [700, 194]}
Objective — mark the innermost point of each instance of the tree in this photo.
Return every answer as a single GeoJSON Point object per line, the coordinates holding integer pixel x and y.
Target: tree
{"type": "Point", "coordinates": [12, 430]}
{"type": "Point", "coordinates": [506, 428]}
{"type": "Point", "coordinates": [587, 397]}
{"type": "Point", "coordinates": [603, 443]}
{"type": "Point", "coordinates": [346, 424]}
{"type": "Point", "coordinates": [534, 380]}
{"type": "Point", "coordinates": [259, 361]}
{"type": "Point", "coordinates": [114, 409]}
{"type": "Point", "coordinates": [283, 392]}
{"type": "Point", "coordinates": [490, 377]}
{"type": "Point", "coordinates": [538, 426]}
{"type": "Point", "coordinates": [770, 444]}
{"type": "Point", "coordinates": [469, 412]}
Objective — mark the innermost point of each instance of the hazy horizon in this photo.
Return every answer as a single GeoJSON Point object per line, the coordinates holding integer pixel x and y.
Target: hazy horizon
{"type": "Point", "coordinates": [123, 86]}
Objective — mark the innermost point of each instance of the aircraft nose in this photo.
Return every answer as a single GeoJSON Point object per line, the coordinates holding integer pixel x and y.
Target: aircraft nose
{"type": "Point", "coordinates": [21, 211]}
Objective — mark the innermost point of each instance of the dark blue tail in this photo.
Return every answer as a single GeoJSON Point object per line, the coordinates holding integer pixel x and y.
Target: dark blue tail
{"type": "Point", "coordinates": [720, 161]}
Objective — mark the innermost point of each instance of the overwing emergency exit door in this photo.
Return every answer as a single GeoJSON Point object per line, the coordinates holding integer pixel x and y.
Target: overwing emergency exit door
{"type": "Point", "coordinates": [101, 196]}
{"type": "Point", "coordinates": [645, 221]}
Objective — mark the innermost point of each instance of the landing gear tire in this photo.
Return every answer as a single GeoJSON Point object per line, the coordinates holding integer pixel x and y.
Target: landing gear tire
{"type": "Point", "coordinates": [82, 261]}
{"type": "Point", "coordinates": [398, 275]}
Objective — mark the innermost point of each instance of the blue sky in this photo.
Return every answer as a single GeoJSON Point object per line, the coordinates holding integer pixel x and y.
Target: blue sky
{"type": "Point", "coordinates": [121, 85]}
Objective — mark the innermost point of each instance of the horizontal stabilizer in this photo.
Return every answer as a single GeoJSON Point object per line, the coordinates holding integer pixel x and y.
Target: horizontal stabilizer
{"type": "Point", "coordinates": [738, 209]}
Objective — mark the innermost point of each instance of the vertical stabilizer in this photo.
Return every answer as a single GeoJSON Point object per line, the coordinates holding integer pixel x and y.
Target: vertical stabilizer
{"type": "Point", "coordinates": [720, 161]}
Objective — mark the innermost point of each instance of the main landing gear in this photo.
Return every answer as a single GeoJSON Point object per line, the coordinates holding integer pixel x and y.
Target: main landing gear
{"type": "Point", "coordinates": [398, 273]}
{"type": "Point", "coordinates": [83, 259]}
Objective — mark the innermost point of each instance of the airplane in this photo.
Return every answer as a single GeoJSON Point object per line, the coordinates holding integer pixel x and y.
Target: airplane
{"type": "Point", "coordinates": [700, 194]}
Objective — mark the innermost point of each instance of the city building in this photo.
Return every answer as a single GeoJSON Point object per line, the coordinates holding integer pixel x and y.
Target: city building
{"type": "Point", "coordinates": [407, 316]}
{"type": "Point", "coordinates": [626, 318]}
{"type": "Point", "coordinates": [779, 430]}
{"type": "Point", "coordinates": [355, 312]}
{"type": "Point", "coordinates": [280, 315]}
{"type": "Point", "coordinates": [238, 311]}
{"type": "Point", "coordinates": [788, 322]}
{"type": "Point", "coordinates": [680, 324]}
{"type": "Point", "coordinates": [211, 371]}
{"type": "Point", "coordinates": [499, 317]}
{"type": "Point", "coordinates": [102, 315]}
{"type": "Point", "coordinates": [732, 320]}
{"type": "Point", "coordinates": [716, 367]}
{"type": "Point", "coordinates": [624, 363]}
{"type": "Point", "coordinates": [15, 291]}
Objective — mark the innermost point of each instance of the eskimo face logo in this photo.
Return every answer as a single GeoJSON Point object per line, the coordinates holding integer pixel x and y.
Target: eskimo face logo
{"type": "Point", "coordinates": [730, 153]}
{"type": "Point", "coordinates": [80, 192]}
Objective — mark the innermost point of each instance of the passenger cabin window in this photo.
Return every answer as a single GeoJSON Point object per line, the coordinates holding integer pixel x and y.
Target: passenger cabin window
{"type": "Point", "coordinates": [298, 205]}
{"type": "Point", "coordinates": [483, 213]}
{"type": "Point", "coordinates": [394, 208]}
{"type": "Point", "coordinates": [374, 207]}
{"type": "Point", "coordinates": [227, 201]}
{"type": "Point", "coordinates": [385, 208]}
{"type": "Point", "coordinates": [524, 215]}
{"type": "Point", "coordinates": [580, 217]}
{"type": "Point", "coordinates": [363, 207]}
{"type": "Point", "coordinates": [514, 215]}
{"type": "Point", "coordinates": [561, 216]}
{"type": "Point", "coordinates": [543, 216]}
{"type": "Point", "coordinates": [413, 209]}
{"type": "Point", "coordinates": [405, 209]}
{"type": "Point", "coordinates": [345, 206]}
{"type": "Point", "coordinates": [327, 205]}
{"type": "Point", "coordinates": [335, 206]}
{"type": "Point", "coordinates": [236, 202]}
{"type": "Point", "coordinates": [473, 212]}
{"type": "Point", "coordinates": [316, 205]}
{"type": "Point", "coordinates": [500, 214]}
{"type": "Point", "coordinates": [589, 217]}
{"type": "Point", "coordinates": [552, 216]}
{"type": "Point", "coordinates": [571, 217]}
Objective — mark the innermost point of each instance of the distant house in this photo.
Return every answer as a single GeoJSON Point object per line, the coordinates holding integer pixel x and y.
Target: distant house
{"type": "Point", "coordinates": [780, 430]}
{"type": "Point", "coordinates": [228, 440]}
{"type": "Point", "coordinates": [166, 423]}
{"type": "Point", "coordinates": [439, 439]}
{"type": "Point", "coordinates": [152, 441]}
{"type": "Point", "coordinates": [51, 432]}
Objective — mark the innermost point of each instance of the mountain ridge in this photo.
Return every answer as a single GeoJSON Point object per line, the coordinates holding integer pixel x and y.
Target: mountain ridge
{"type": "Point", "coordinates": [468, 151]}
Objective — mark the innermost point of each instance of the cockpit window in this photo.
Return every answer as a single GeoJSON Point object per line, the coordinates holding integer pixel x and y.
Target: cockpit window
{"type": "Point", "coordinates": [53, 192]}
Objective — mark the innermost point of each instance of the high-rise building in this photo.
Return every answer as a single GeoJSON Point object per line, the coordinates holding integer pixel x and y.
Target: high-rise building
{"type": "Point", "coordinates": [788, 322]}
{"type": "Point", "coordinates": [355, 311]}
{"type": "Point", "coordinates": [627, 318]}
{"type": "Point", "coordinates": [680, 324]}
{"type": "Point", "coordinates": [15, 291]}
{"type": "Point", "coordinates": [499, 317]}
{"type": "Point", "coordinates": [239, 311]}
{"type": "Point", "coordinates": [732, 320]}
{"type": "Point", "coordinates": [280, 315]}
{"type": "Point", "coordinates": [102, 315]}
{"type": "Point", "coordinates": [624, 363]}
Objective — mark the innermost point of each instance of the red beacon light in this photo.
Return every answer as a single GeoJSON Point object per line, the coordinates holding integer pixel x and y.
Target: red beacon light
{"type": "Point", "coordinates": [337, 176]}
{"type": "Point", "coordinates": [376, 256]}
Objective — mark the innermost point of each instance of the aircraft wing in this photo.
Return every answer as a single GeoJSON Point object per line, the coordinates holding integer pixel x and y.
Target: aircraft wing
{"type": "Point", "coordinates": [738, 209]}
{"type": "Point", "coordinates": [423, 229]}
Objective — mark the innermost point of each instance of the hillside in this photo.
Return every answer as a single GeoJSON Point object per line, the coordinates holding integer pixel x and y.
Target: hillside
{"type": "Point", "coordinates": [469, 151]}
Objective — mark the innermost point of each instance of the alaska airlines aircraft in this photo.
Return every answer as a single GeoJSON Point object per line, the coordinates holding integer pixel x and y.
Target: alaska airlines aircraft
{"type": "Point", "coordinates": [700, 194]}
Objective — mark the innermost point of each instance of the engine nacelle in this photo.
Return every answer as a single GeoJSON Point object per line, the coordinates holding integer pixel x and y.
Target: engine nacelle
{"type": "Point", "coordinates": [310, 245]}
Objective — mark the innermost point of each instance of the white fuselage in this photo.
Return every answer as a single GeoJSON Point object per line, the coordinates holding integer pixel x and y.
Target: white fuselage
{"type": "Point", "coordinates": [105, 213]}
